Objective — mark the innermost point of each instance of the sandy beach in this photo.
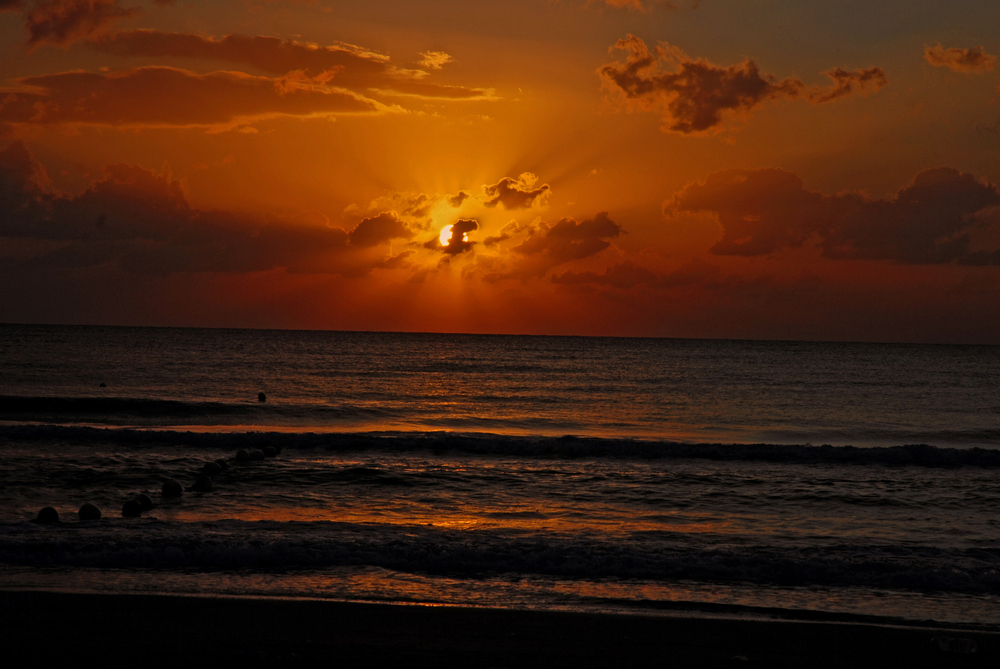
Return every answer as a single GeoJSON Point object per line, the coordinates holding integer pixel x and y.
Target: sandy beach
{"type": "Point", "coordinates": [140, 630]}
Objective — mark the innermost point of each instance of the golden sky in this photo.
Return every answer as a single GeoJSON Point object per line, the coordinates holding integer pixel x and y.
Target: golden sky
{"type": "Point", "coordinates": [772, 169]}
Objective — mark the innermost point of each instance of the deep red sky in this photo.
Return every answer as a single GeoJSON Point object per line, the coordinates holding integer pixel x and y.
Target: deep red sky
{"type": "Point", "coordinates": [796, 169]}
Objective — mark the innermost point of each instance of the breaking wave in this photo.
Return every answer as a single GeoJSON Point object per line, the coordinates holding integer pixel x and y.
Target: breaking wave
{"type": "Point", "coordinates": [271, 545]}
{"type": "Point", "coordinates": [520, 446]}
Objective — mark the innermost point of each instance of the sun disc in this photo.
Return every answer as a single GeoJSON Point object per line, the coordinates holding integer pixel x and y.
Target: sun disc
{"type": "Point", "coordinates": [445, 235]}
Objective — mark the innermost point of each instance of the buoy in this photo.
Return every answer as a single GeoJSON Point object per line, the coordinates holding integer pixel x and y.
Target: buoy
{"type": "Point", "coordinates": [172, 488]}
{"type": "Point", "coordinates": [89, 512]}
{"type": "Point", "coordinates": [144, 501]}
{"type": "Point", "coordinates": [47, 516]}
{"type": "Point", "coordinates": [203, 484]}
{"type": "Point", "coordinates": [131, 509]}
{"type": "Point", "coordinates": [261, 397]}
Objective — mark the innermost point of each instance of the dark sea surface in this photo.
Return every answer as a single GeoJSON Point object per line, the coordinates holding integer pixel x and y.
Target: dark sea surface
{"type": "Point", "coordinates": [789, 479]}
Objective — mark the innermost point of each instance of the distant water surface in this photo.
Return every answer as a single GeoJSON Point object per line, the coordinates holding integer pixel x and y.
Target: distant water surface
{"type": "Point", "coordinates": [687, 390]}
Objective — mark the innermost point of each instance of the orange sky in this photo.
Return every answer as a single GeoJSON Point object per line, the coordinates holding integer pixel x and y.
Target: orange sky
{"type": "Point", "coordinates": [790, 169]}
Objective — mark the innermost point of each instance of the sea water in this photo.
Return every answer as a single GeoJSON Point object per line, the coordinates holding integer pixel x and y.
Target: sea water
{"type": "Point", "coordinates": [792, 479]}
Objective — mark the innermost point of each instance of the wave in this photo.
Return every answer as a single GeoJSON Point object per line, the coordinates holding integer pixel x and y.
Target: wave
{"type": "Point", "coordinates": [270, 545]}
{"type": "Point", "coordinates": [131, 410]}
{"type": "Point", "coordinates": [565, 447]}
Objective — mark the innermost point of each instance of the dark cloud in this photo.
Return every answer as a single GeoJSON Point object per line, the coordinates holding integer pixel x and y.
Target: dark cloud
{"type": "Point", "coordinates": [457, 199]}
{"type": "Point", "coordinates": [141, 222]}
{"type": "Point", "coordinates": [10, 5]}
{"type": "Point", "coordinates": [169, 96]}
{"type": "Point", "coordinates": [693, 95]}
{"type": "Point", "coordinates": [973, 60]}
{"type": "Point", "coordinates": [379, 230]}
{"type": "Point", "coordinates": [928, 221]}
{"type": "Point", "coordinates": [622, 275]}
{"type": "Point", "coordinates": [63, 21]}
{"type": "Point", "coordinates": [847, 82]}
{"type": "Point", "coordinates": [569, 240]}
{"type": "Point", "coordinates": [546, 247]}
{"type": "Point", "coordinates": [343, 65]}
{"type": "Point", "coordinates": [506, 232]}
{"type": "Point", "coordinates": [458, 239]}
{"type": "Point", "coordinates": [516, 193]}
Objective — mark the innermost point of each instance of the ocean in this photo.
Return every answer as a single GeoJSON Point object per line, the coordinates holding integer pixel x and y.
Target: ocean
{"type": "Point", "coordinates": [830, 481]}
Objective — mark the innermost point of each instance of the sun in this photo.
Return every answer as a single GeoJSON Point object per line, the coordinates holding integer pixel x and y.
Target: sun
{"type": "Point", "coordinates": [445, 237]}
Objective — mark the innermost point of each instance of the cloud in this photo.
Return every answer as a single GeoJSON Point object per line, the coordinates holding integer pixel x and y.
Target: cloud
{"type": "Point", "coordinates": [344, 65]}
{"type": "Point", "coordinates": [516, 193]}
{"type": "Point", "coordinates": [379, 230]}
{"type": "Point", "coordinates": [506, 232]}
{"type": "Point", "coordinates": [457, 199]}
{"type": "Point", "coordinates": [434, 60]}
{"type": "Point", "coordinates": [140, 221]}
{"type": "Point", "coordinates": [545, 247]}
{"type": "Point", "coordinates": [410, 205]}
{"type": "Point", "coordinates": [64, 21]}
{"type": "Point", "coordinates": [973, 60]}
{"type": "Point", "coordinates": [167, 96]}
{"type": "Point", "coordinates": [761, 211]}
{"type": "Point", "coordinates": [693, 95]}
{"type": "Point", "coordinates": [458, 239]}
{"type": "Point", "coordinates": [623, 275]}
{"type": "Point", "coordinates": [569, 240]}
{"type": "Point", "coordinates": [10, 5]}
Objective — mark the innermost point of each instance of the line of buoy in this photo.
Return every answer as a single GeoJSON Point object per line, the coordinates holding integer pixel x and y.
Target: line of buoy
{"type": "Point", "coordinates": [171, 489]}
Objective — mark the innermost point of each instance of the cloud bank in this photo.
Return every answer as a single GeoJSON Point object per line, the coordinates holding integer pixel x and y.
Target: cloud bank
{"type": "Point", "coordinates": [168, 96]}
{"type": "Point", "coordinates": [931, 220]}
{"type": "Point", "coordinates": [693, 95]}
{"type": "Point", "coordinates": [60, 22]}
{"type": "Point", "coordinates": [140, 221]}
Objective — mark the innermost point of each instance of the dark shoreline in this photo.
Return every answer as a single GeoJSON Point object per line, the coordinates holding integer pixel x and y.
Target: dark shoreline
{"type": "Point", "coordinates": [160, 630]}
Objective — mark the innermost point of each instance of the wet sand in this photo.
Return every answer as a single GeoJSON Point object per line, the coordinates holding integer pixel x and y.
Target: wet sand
{"type": "Point", "coordinates": [45, 628]}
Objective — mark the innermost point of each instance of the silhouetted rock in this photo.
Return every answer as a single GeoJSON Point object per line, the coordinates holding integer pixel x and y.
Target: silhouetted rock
{"type": "Point", "coordinates": [89, 512]}
{"type": "Point", "coordinates": [212, 469]}
{"type": "Point", "coordinates": [47, 516]}
{"type": "Point", "coordinates": [144, 501]}
{"type": "Point", "coordinates": [203, 484]}
{"type": "Point", "coordinates": [261, 397]}
{"type": "Point", "coordinates": [256, 454]}
{"type": "Point", "coordinates": [103, 384]}
{"type": "Point", "coordinates": [270, 451]}
{"type": "Point", "coordinates": [223, 465]}
{"type": "Point", "coordinates": [242, 456]}
{"type": "Point", "coordinates": [131, 509]}
{"type": "Point", "coordinates": [172, 488]}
